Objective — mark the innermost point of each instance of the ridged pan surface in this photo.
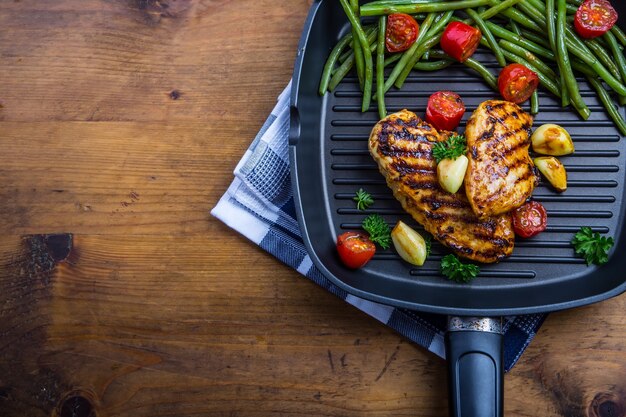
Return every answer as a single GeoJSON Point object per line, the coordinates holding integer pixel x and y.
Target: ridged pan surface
{"type": "Point", "coordinates": [330, 162]}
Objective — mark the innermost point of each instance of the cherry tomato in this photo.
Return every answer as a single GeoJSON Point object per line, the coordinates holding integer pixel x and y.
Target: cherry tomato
{"type": "Point", "coordinates": [401, 32]}
{"type": "Point", "coordinates": [355, 249]}
{"type": "Point", "coordinates": [529, 219]}
{"type": "Point", "coordinates": [460, 40]}
{"type": "Point", "coordinates": [517, 83]}
{"type": "Point", "coordinates": [594, 18]}
{"type": "Point", "coordinates": [445, 110]}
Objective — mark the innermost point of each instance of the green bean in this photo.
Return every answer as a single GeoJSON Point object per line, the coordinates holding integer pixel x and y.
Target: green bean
{"type": "Point", "coordinates": [498, 8]}
{"type": "Point", "coordinates": [520, 18]}
{"type": "Point", "coordinates": [331, 61]}
{"type": "Point", "coordinates": [538, 39]}
{"type": "Point", "coordinates": [424, 47]}
{"type": "Point", "coordinates": [540, 5]}
{"type": "Point", "coordinates": [367, 54]}
{"type": "Point", "coordinates": [608, 105]}
{"type": "Point", "coordinates": [488, 35]}
{"type": "Point", "coordinates": [604, 57]}
{"type": "Point", "coordinates": [436, 31]}
{"type": "Point", "coordinates": [371, 34]}
{"type": "Point", "coordinates": [406, 56]}
{"type": "Point", "coordinates": [512, 37]}
{"type": "Point", "coordinates": [390, 60]}
{"type": "Point", "coordinates": [534, 14]}
{"type": "Point", "coordinates": [544, 79]}
{"type": "Point", "coordinates": [619, 34]}
{"type": "Point", "coordinates": [340, 73]}
{"type": "Point", "coordinates": [537, 4]}
{"type": "Point", "coordinates": [618, 56]}
{"type": "Point", "coordinates": [433, 65]}
{"type": "Point", "coordinates": [582, 68]}
{"type": "Point", "coordinates": [489, 78]}
{"type": "Point", "coordinates": [534, 103]}
{"type": "Point", "coordinates": [413, 6]}
{"type": "Point", "coordinates": [380, 67]}
{"type": "Point", "coordinates": [514, 28]}
{"type": "Point", "coordinates": [563, 57]}
{"type": "Point", "coordinates": [580, 50]}
{"type": "Point", "coordinates": [551, 31]}
{"type": "Point", "coordinates": [356, 46]}
{"type": "Point", "coordinates": [605, 45]}
{"type": "Point", "coordinates": [529, 56]}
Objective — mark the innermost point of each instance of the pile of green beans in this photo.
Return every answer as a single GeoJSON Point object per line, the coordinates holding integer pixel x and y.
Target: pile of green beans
{"type": "Point", "coordinates": [534, 33]}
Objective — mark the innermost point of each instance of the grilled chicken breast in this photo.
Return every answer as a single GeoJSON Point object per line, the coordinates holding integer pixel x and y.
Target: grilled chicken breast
{"type": "Point", "coordinates": [402, 144]}
{"type": "Point", "coordinates": [500, 175]}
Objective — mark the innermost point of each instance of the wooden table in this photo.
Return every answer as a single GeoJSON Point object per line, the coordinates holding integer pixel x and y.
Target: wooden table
{"type": "Point", "coordinates": [120, 124]}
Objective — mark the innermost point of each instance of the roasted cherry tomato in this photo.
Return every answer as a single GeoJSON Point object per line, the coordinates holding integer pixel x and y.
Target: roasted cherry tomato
{"type": "Point", "coordinates": [594, 18]}
{"type": "Point", "coordinates": [460, 40]}
{"type": "Point", "coordinates": [401, 32]}
{"type": "Point", "coordinates": [517, 83]}
{"type": "Point", "coordinates": [445, 110]}
{"type": "Point", "coordinates": [355, 249]}
{"type": "Point", "coordinates": [529, 219]}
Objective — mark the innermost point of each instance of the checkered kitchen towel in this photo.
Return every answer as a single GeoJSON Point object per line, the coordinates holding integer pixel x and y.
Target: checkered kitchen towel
{"type": "Point", "coordinates": [259, 205]}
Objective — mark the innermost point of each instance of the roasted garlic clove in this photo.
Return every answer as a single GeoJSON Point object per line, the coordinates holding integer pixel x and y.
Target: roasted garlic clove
{"type": "Point", "coordinates": [410, 245]}
{"type": "Point", "coordinates": [553, 170]}
{"type": "Point", "coordinates": [551, 139]}
{"type": "Point", "coordinates": [451, 172]}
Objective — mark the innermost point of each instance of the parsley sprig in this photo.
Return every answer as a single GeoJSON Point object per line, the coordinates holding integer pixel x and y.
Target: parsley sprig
{"type": "Point", "coordinates": [379, 230]}
{"type": "Point", "coordinates": [457, 271]}
{"type": "Point", "coordinates": [363, 199]}
{"type": "Point", "coordinates": [455, 146]}
{"type": "Point", "coordinates": [593, 247]}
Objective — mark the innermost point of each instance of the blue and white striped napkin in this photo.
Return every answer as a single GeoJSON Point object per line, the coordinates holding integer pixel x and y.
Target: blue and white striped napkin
{"type": "Point", "coordinates": [259, 205]}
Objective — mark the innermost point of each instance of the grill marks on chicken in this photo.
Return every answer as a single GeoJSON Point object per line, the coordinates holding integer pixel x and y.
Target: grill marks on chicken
{"type": "Point", "coordinates": [402, 144]}
{"type": "Point", "coordinates": [500, 175]}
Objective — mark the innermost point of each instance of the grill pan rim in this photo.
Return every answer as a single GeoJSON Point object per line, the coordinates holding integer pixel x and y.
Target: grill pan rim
{"type": "Point", "coordinates": [295, 132]}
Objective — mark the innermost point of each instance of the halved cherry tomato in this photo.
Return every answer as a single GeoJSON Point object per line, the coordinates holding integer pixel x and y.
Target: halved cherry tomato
{"type": "Point", "coordinates": [460, 40]}
{"type": "Point", "coordinates": [355, 249]}
{"type": "Point", "coordinates": [517, 83]}
{"type": "Point", "coordinates": [445, 110]}
{"type": "Point", "coordinates": [401, 32]}
{"type": "Point", "coordinates": [529, 219]}
{"type": "Point", "coordinates": [594, 18]}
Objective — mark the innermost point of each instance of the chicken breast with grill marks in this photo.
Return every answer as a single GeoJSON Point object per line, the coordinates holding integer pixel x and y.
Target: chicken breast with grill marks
{"type": "Point", "coordinates": [402, 145]}
{"type": "Point", "coordinates": [500, 175]}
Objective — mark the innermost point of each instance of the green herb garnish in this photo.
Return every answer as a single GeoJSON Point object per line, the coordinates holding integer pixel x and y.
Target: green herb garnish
{"type": "Point", "coordinates": [363, 199]}
{"type": "Point", "coordinates": [379, 230]}
{"type": "Point", "coordinates": [429, 242]}
{"type": "Point", "coordinates": [593, 247]}
{"type": "Point", "coordinates": [457, 271]}
{"type": "Point", "coordinates": [455, 146]}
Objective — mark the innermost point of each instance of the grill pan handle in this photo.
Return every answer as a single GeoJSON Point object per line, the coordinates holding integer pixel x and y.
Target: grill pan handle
{"type": "Point", "coordinates": [475, 372]}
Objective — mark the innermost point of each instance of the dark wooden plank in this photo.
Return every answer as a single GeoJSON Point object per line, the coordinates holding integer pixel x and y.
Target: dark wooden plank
{"type": "Point", "coordinates": [161, 325]}
{"type": "Point", "coordinates": [120, 124]}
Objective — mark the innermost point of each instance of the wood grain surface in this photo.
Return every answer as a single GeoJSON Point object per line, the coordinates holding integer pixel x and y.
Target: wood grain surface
{"type": "Point", "coordinates": [120, 124]}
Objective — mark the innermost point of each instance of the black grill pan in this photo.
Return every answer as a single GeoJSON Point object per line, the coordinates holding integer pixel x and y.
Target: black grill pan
{"type": "Point", "coordinates": [330, 161]}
